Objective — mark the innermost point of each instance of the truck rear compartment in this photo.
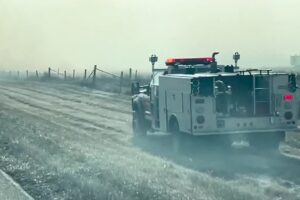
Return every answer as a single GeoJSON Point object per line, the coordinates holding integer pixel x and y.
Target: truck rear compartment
{"type": "Point", "coordinates": [245, 96]}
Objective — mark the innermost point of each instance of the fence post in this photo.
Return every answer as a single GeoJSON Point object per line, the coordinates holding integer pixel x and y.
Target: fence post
{"type": "Point", "coordinates": [26, 74]}
{"type": "Point", "coordinates": [94, 74]}
{"type": "Point", "coordinates": [49, 72]}
{"type": "Point", "coordinates": [73, 73]}
{"type": "Point", "coordinates": [58, 72]}
{"type": "Point", "coordinates": [37, 74]}
{"type": "Point", "coordinates": [65, 75]}
{"type": "Point", "coordinates": [121, 82]}
{"type": "Point", "coordinates": [18, 74]}
{"type": "Point", "coordinates": [84, 78]}
{"type": "Point", "coordinates": [135, 76]}
{"type": "Point", "coordinates": [130, 76]}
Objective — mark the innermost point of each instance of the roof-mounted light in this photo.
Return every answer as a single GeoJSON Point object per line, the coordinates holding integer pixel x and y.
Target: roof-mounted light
{"type": "Point", "coordinates": [189, 61]}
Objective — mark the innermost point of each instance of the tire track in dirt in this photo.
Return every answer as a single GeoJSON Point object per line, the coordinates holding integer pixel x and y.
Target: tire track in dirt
{"type": "Point", "coordinates": [109, 108]}
{"type": "Point", "coordinates": [112, 143]}
{"type": "Point", "coordinates": [80, 120]}
{"type": "Point", "coordinates": [69, 104]}
{"type": "Point", "coordinates": [65, 104]}
{"type": "Point", "coordinates": [98, 94]}
{"type": "Point", "coordinates": [87, 126]}
{"type": "Point", "coordinates": [78, 134]}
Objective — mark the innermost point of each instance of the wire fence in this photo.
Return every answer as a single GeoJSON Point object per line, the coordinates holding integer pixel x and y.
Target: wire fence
{"type": "Point", "coordinates": [97, 78]}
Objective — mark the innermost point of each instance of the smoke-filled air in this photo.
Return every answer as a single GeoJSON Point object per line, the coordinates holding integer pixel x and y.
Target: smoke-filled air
{"type": "Point", "coordinates": [149, 100]}
{"type": "Point", "coordinates": [117, 34]}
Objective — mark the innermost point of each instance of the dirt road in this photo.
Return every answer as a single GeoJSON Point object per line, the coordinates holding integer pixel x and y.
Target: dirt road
{"type": "Point", "coordinates": [67, 142]}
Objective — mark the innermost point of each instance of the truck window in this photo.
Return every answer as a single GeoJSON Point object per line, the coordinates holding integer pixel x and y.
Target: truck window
{"type": "Point", "coordinates": [203, 86]}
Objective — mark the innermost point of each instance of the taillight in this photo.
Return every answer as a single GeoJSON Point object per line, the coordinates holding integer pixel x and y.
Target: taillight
{"type": "Point", "coordinates": [288, 97]}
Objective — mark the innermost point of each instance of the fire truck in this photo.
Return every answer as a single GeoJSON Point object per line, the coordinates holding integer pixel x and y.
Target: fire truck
{"type": "Point", "coordinates": [198, 97]}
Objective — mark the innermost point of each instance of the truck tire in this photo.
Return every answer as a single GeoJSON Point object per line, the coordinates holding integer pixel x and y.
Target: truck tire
{"type": "Point", "coordinates": [139, 124]}
{"type": "Point", "coordinates": [174, 127]}
{"type": "Point", "coordinates": [266, 141]}
{"type": "Point", "coordinates": [176, 136]}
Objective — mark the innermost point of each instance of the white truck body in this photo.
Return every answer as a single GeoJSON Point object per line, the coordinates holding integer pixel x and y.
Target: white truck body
{"type": "Point", "coordinates": [177, 100]}
{"type": "Point", "coordinates": [198, 97]}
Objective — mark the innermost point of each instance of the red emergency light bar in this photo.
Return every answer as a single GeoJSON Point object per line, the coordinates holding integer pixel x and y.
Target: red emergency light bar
{"type": "Point", "coordinates": [189, 61]}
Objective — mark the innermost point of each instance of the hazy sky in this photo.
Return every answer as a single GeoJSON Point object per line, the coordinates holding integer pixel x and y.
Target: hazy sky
{"type": "Point", "coordinates": [117, 34]}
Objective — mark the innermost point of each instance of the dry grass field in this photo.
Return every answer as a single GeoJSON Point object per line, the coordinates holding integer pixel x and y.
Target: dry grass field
{"type": "Point", "coordinates": [62, 141]}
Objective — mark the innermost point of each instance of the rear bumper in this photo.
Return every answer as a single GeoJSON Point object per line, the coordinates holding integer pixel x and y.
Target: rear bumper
{"type": "Point", "coordinates": [247, 131]}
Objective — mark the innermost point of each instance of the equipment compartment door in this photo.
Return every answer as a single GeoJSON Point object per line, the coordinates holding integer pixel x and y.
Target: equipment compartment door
{"type": "Point", "coordinates": [186, 120]}
{"type": "Point", "coordinates": [178, 104]}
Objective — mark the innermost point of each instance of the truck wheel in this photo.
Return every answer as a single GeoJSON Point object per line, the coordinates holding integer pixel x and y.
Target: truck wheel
{"type": "Point", "coordinates": [266, 141]}
{"type": "Point", "coordinates": [174, 127]}
{"type": "Point", "coordinates": [176, 136]}
{"type": "Point", "coordinates": [138, 124]}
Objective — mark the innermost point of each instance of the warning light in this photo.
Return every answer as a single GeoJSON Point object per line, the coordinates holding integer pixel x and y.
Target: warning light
{"type": "Point", "coordinates": [189, 61]}
{"type": "Point", "coordinates": [288, 97]}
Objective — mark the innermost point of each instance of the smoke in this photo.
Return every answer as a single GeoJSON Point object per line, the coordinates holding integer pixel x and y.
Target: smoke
{"type": "Point", "coordinates": [118, 34]}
